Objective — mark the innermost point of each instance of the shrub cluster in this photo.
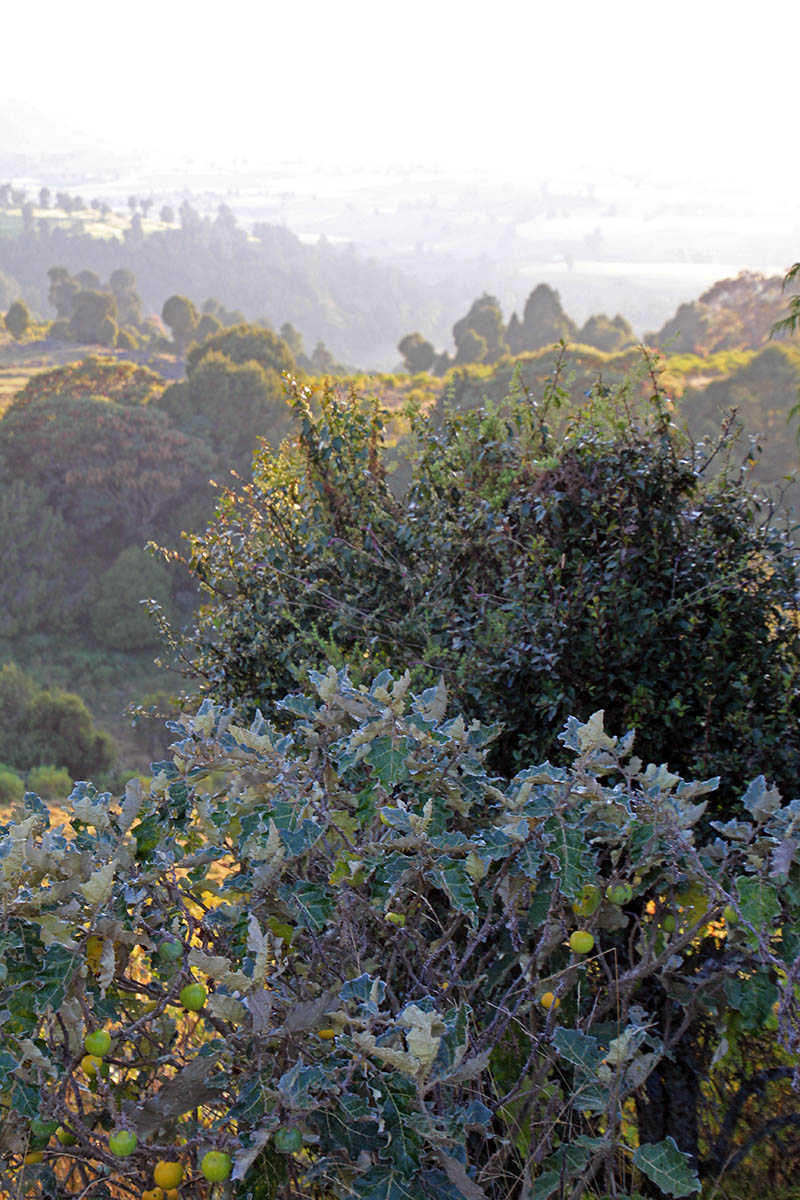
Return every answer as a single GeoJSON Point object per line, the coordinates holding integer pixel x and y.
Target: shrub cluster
{"type": "Point", "coordinates": [345, 960]}
{"type": "Point", "coordinates": [541, 576]}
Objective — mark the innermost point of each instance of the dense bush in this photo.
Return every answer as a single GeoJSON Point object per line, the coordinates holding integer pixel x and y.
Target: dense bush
{"type": "Point", "coordinates": [389, 999]}
{"type": "Point", "coordinates": [35, 552]}
{"type": "Point", "coordinates": [39, 727]}
{"type": "Point", "coordinates": [229, 405]}
{"type": "Point", "coordinates": [123, 382]}
{"type": "Point", "coordinates": [12, 786]}
{"type": "Point", "coordinates": [51, 783]}
{"type": "Point", "coordinates": [119, 617]}
{"type": "Point", "coordinates": [540, 577]}
{"type": "Point", "coordinates": [108, 468]}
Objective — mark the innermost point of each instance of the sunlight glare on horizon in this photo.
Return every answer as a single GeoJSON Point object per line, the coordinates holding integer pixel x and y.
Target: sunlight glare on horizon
{"type": "Point", "coordinates": [633, 86]}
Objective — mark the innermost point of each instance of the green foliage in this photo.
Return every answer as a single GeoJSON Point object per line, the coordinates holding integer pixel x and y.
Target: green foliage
{"type": "Point", "coordinates": [543, 323]}
{"type": "Point", "coordinates": [791, 322]}
{"type": "Point", "coordinates": [180, 314]}
{"type": "Point", "coordinates": [35, 551]}
{"type": "Point", "coordinates": [39, 727]}
{"type": "Point", "coordinates": [538, 577]}
{"type": "Point", "coordinates": [51, 783]}
{"type": "Point", "coordinates": [12, 786]}
{"type": "Point", "coordinates": [417, 352]}
{"type": "Point", "coordinates": [92, 318]}
{"type": "Point", "coordinates": [17, 319]}
{"type": "Point", "coordinates": [119, 617]}
{"type": "Point", "coordinates": [472, 348]}
{"type": "Point", "coordinates": [124, 382]}
{"type": "Point", "coordinates": [762, 392]}
{"type": "Point", "coordinates": [607, 333]}
{"type": "Point", "coordinates": [732, 313]}
{"type": "Point", "coordinates": [243, 344]}
{"type": "Point", "coordinates": [480, 334]}
{"type": "Point", "coordinates": [60, 729]}
{"type": "Point", "coordinates": [339, 1052]}
{"type": "Point", "coordinates": [109, 469]}
{"type": "Point", "coordinates": [228, 404]}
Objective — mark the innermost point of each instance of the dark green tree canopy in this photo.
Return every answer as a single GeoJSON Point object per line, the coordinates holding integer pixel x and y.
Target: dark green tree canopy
{"type": "Point", "coordinates": [180, 315]}
{"type": "Point", "coordinates": [229, 405]}
{"type": "Point", "coordinates": [485, 319]}
{"type": "Point", "coordinates": [41, 727]}
{"type": "Point", "coordinates": [18, 319]}
{"type": "Point", "coordinates": [417, 352]}
{"type": "Point", "coordinates": [242, 344]}
{"type": "Point", "coordinates": [104, 466]}
{"type": "Point", "coordinates": [544, 320]}
{"type": "Point", "coordinates": [539, 578]}
{"type": "Point", "coordinates": [93, 318]}
{"type": "Point", "coordinates": [607, 333]}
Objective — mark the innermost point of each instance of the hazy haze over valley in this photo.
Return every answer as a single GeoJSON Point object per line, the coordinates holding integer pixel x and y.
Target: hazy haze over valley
{"type": "Point", "coordinates": [626, 160]}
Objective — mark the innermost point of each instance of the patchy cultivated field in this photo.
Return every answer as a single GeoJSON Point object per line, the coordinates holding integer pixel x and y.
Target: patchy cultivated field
{"type": "Point", "coordinates": [20, 362]}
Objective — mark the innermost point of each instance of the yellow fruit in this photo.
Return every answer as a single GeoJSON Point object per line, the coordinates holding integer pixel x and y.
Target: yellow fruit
{"type": "Point", "coordinates": [168, 1174]}
{"type": "Point", "coordinates": [581, 941]}
{"type": "Point", "coordinates": [327, 1034]}
{"type": "Point", "coordinates": [548, 1000]}
{"type": "Point", "coordinates": [155, 1193]}
{"type": "Point", "coordinates": [33, 1157]}
{"type": "Point", "coordinates": [91, 1064]}
{"type": "Point", "coordinates": [396, 919]}
{"type": "Point", "coordinates": [172, 1194]}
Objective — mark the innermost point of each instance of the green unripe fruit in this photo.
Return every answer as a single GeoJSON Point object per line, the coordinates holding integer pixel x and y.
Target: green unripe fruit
{"type": "Point", "coordinates": [668, 923]}
{"type": "Point", "coordinates": [730, 915]}
{"type": "Point", "coordinates": [65, 1136]}
{"type": "Point", "coordinates": [588, 901]}
{"type": "Point", "coordinates": [170, 951]}
{"type": "Point", "coordinates": [97, 1043]}
{"type": "Point", "coordinates": [619, 893]}
{"type": "Point", "coordinates": [581, 941]}
{"type": "Point", "coordinates": [287, 1140]}
{"type": "Point", "coordinates": [396, 919]}
{"type": "Point", "coordinates": [122, 1143]}
{"type": "Point", "coordinates": [216, 1165]}
{"type": "Point", "coordinates": [193, 996]}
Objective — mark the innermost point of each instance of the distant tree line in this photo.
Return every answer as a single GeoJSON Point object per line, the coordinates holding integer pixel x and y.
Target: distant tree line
{"type": "Point", "coordinates": [481, 336]}
{"type": "Point", "coordinates": [334, 296]}
{"type": "Point", "coordinates": [738, 312]}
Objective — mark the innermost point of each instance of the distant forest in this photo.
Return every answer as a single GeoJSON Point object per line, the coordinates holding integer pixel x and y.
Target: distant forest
{"type": "Point", "coordinates": [332, 295]}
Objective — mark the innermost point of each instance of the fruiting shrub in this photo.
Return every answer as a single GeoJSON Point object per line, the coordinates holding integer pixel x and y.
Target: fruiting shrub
{"type": "Point", "coordinates": [465, 1052]}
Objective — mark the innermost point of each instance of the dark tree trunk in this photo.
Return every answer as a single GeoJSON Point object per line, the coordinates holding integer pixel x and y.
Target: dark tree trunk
{"type": "Point", "coordinates": [670, 1105]}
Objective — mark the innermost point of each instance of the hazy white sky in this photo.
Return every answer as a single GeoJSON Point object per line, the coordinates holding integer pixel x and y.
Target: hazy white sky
{"type": "Point", "coordinates": [691, 86]}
